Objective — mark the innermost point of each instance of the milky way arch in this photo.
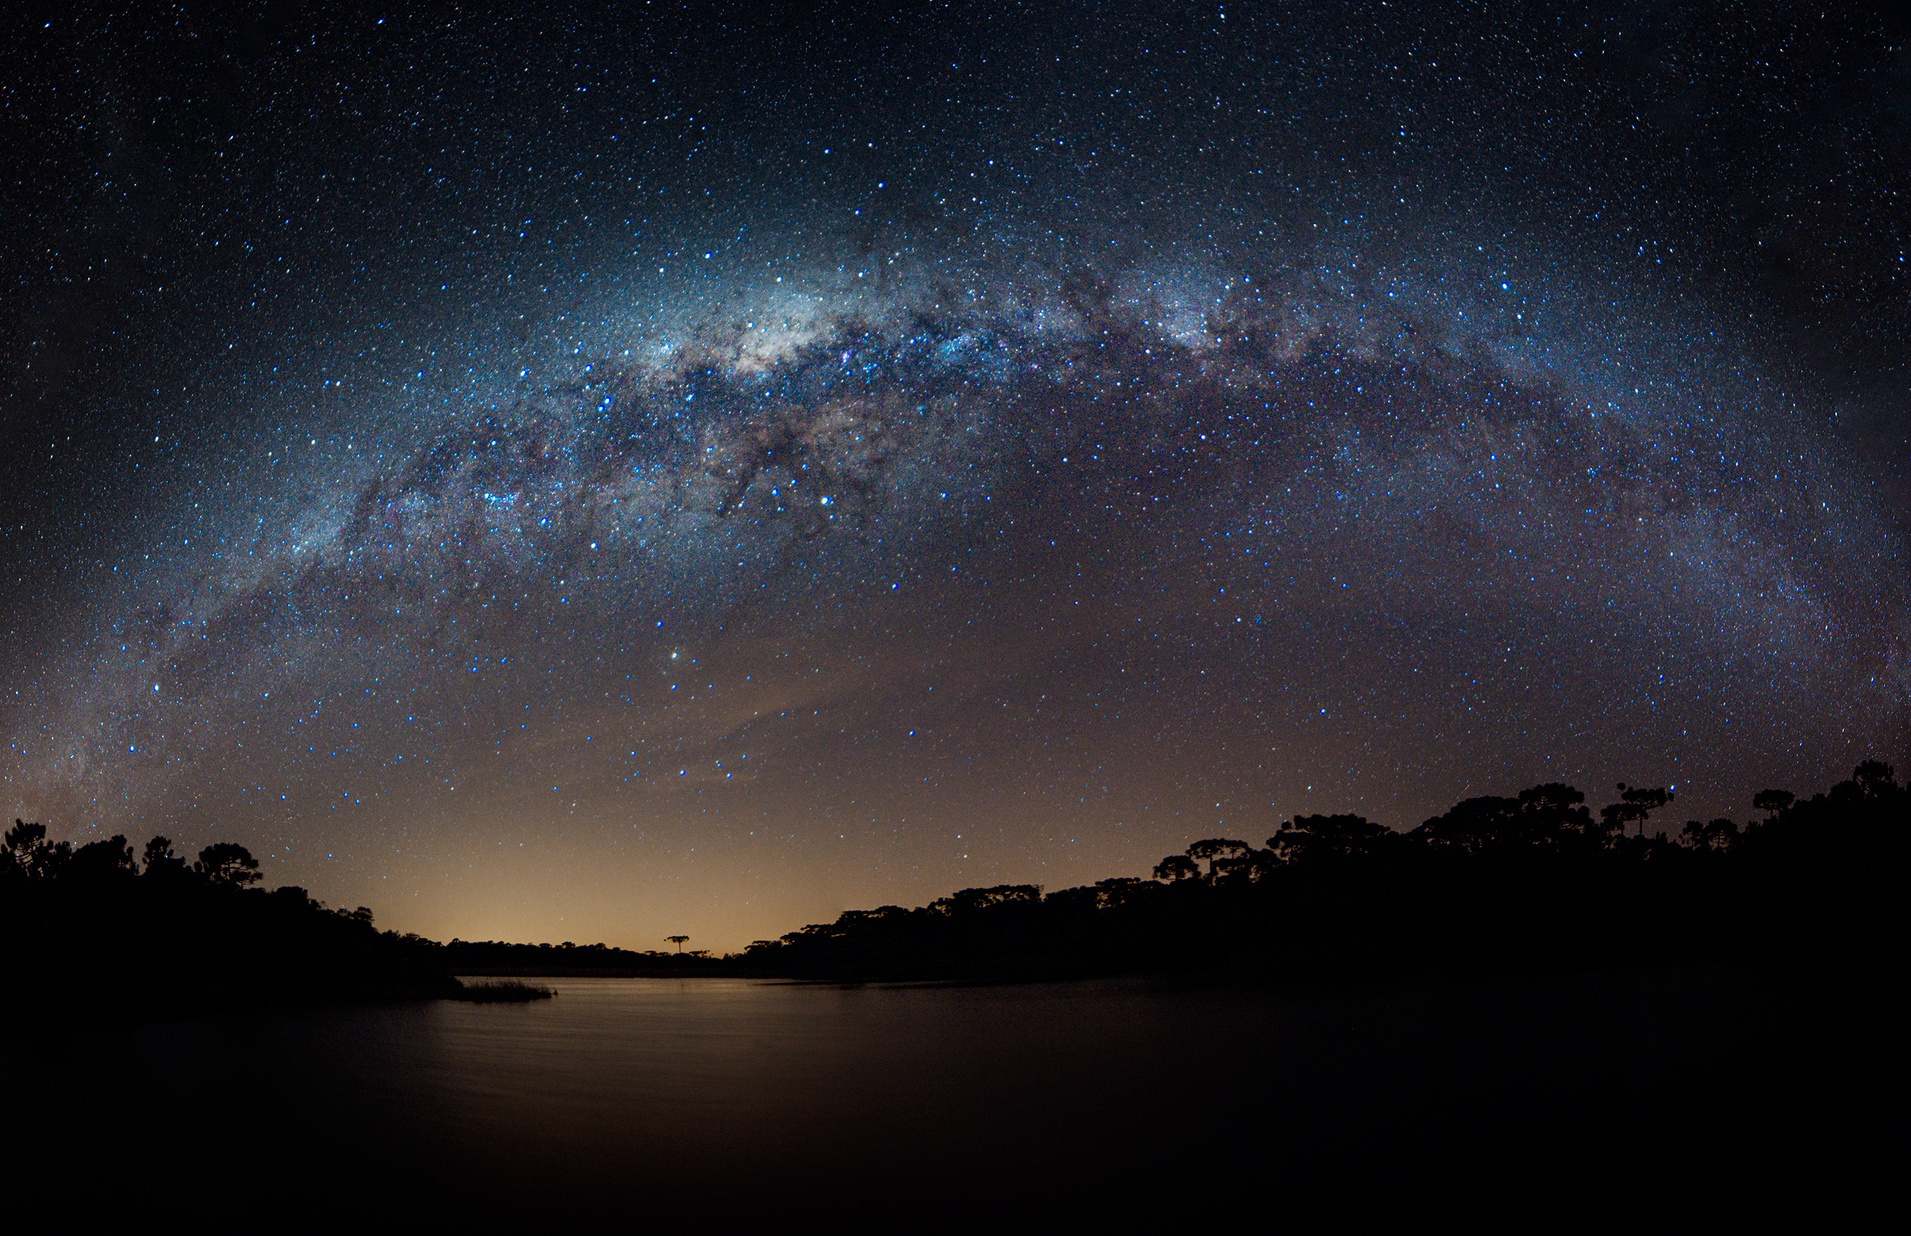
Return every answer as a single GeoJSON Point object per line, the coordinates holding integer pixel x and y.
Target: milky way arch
{"type": "Point", "coordinates": [611, 475]}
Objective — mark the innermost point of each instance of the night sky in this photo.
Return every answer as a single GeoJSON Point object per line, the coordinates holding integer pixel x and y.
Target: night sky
{"type": "Point", "coordinates": [559, 475]}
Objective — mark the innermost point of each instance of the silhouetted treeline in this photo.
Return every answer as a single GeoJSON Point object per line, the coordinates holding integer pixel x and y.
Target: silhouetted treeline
{"type": "Point", "coordinates": [92, 932]}
{"type": "Point", "coordinates": [1533, 880]}
{"type": "Point", "coordinates": [496, 957]}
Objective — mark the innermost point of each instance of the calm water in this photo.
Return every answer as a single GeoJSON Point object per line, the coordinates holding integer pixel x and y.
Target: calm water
{"type": "Point", "coordinates": [1613, 1091]}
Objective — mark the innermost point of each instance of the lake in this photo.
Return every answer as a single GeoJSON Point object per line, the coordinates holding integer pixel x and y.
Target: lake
{"type": "Point", "coordinates": [1610, 1097]}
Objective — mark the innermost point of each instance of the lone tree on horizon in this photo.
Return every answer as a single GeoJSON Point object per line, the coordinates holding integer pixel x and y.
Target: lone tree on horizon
{"type": "Point", "coordinates": [678, 941]}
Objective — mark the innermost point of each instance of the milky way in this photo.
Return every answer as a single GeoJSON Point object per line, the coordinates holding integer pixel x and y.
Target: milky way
{"type": "Point", "coordinates": [599, 482]}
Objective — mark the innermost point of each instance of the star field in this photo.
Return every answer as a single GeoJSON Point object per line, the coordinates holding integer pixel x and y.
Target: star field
{"type": "Point", "coordinates": [554, 477]}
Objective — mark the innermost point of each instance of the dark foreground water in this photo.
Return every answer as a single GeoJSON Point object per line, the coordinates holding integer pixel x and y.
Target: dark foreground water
{"type": "Point", "coordinates": [1623, 1100]}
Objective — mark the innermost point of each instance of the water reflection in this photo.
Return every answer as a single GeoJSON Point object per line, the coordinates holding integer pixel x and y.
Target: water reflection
{"type": "Point", "coordinates": [1120, 1097]}
{"type": "Point", "coordinates": [708, 1082]}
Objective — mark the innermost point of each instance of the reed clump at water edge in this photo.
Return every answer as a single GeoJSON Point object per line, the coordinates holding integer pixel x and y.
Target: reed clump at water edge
{"type": "Point", "coordinates": [502, 991]}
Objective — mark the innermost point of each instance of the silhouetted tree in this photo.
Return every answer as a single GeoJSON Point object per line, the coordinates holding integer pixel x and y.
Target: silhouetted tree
{"type": "Point", "coordinates": [1309, 838]}
{"type": "Point", "coordinates": [50, 858]}
{"type": "Point", "coordinates": [32, 854]}
{"type": "Point", "coordinates": [1176, 867]}
{"type": "Point", "coordinates": [1217, 851]}
{"type": "Point", "coordinates": [1634, 806]}
{"type": "Point", "coordinates": [22, 840]}
{"type": "Point", "coordinates": [974, 900]}
{"type": "Point", "coordinates": [678, 941]}
{"type": "Point", "coordinates": [22, 837]}
{"type": "Point", "coordinates": [1474, 824]}
{"type": "Point", "coordinates": [1875, 778]}
{"type": "Point", "coordinates": [1550, 817]}
{"type": "Point", "coordinates": [1555, 815]}
{"type": "Point", "coordinates": [227, 865]}
{"type": "Point", "coordinates": [1116, 892]}
{"type": "Point", "coordinates": [102, 860]}
{"type": "Point", "coordinates": [159, 860]}
{"type": "Point", "coordinates": [1772, 802]}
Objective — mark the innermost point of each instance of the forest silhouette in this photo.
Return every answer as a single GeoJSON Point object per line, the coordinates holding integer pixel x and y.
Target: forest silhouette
{"type": "Point", "coordinates": [1536, 880]}
{"type": "Point", "coordinates": [1532, 881]}
{"type": "Point", "coordinates": [96, 935]}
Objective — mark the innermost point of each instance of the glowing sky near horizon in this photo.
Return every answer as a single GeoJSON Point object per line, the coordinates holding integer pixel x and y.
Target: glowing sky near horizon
{"type": "Point", "coordinates": [548, 477]}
